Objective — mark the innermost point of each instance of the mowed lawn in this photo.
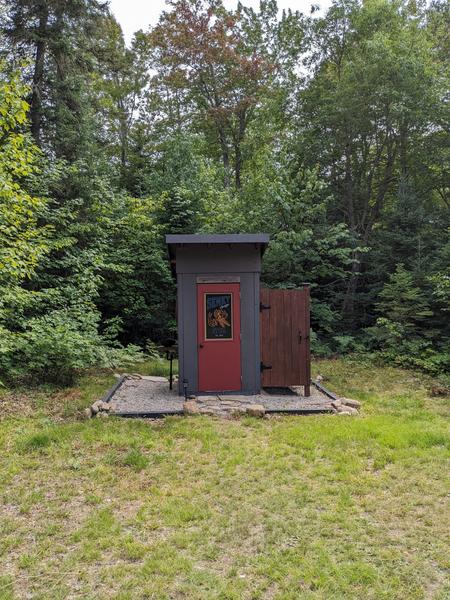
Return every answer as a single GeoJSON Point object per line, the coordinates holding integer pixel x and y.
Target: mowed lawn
{"type": "Point", "coordinates": [285, 508]}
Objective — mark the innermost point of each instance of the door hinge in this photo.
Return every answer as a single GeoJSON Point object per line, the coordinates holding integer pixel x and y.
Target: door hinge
{"type": "Point", "coordinates": [263, 367]}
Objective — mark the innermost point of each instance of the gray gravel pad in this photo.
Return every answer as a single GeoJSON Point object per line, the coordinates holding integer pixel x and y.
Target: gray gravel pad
{"type": "Point", "coordinates": [154, 397]}
{"type": "Point", "coordinates": [141, 395]}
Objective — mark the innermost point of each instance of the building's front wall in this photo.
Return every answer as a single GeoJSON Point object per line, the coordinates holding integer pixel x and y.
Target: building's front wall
{"type": "Point", "coordinates": [241, 261]}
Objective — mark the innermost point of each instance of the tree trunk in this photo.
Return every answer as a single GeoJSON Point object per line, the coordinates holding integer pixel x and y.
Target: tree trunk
{"type": "Point", "coordinates": [225, 156]}
{"type": "Point", "coordinates": [237, 148]}
{"type": "Point", "coordinates": [38, 75]}
{"type": "Point", "coordinates": [237, 166]}
{"type": "Point", "coordinates": [348, 305]}
{"type": "Point", "coordinates": [349, 187]}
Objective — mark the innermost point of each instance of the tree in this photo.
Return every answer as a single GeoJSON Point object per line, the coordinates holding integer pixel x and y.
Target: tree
{"type": "Point", "coordinates": [202, 54]}
{"type": "Point", "coordinates": [373, 92]}
{"type": "Point", "coordinates": [56, 36]}
{"type": "Point", "coordinates": [404, 332]}
{"type": "Point", "coordinates": [137, 292]}
{"type": "Point", "coordinates": [119, 84]}
{"type": "Point", "coordinates": [23, 241]}
{"type": "Point", "coordinates": [402, 302]}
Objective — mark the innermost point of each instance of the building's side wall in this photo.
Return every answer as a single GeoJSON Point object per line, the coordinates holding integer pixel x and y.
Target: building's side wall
{"type": "Point", "coordinates": [187, 331]}
{"type": "Point", "coordinates": [213, 262]}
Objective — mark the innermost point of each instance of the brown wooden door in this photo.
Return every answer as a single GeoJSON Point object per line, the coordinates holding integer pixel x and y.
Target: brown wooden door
{"type": "Point", "coordinates": [285, 351]}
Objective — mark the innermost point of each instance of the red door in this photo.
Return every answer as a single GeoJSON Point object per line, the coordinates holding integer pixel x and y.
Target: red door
{"type": "Point", "coordinates": [219, 339]}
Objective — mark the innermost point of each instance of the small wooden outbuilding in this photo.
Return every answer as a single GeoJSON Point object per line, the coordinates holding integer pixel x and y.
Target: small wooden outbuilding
{"type": "Point", "coordinates": [232, 336]}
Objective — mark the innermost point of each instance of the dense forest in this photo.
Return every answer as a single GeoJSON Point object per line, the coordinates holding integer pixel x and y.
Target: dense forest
{"type": "Point", "coordinates": [329, 132]}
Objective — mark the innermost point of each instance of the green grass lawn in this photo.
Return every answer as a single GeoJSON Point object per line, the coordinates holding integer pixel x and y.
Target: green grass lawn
{"type": "Point", "coordinates": [284, 508]}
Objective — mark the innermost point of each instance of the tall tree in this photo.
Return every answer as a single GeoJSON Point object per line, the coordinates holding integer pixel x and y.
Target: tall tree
{"type": "Point", "coordinates": [373, 92]}
{"type": "Point", "coordinates": [119, 84]}
{"type": "Point", "coordinates": [202, 52]}
{"type": "Point", "coordinates": [56, 36]}
{"type": "Point", "coordinates": [23, 241]}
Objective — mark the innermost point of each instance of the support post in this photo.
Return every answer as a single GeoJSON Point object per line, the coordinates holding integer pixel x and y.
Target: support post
{"type": "Point", "coordinates": [170, 370]}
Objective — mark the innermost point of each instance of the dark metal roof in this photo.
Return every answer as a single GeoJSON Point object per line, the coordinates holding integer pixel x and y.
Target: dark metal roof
{"type": "Point", "coordinates": [218, 238]}
{"type": "Point", "coordinates": [215, 238]}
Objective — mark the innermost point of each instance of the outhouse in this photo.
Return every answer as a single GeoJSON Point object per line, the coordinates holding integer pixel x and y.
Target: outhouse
{"type": "Point", "coordinates": [218, 302]}
{"type": "Point", "coordinates": [233, 336]}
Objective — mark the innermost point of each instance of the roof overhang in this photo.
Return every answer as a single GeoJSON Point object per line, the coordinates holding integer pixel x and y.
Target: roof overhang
{"type": "Point", "coordinates": [176, 240]}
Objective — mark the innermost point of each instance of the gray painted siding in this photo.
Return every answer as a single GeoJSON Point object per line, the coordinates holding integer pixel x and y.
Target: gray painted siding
{"type": "Point", "coordinates": [245, 258]}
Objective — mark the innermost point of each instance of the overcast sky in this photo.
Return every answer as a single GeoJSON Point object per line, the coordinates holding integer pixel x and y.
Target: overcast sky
{"type": "Point", "coordinates": [139, 14]}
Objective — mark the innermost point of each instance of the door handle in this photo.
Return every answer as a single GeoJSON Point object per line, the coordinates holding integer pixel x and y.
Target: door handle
{"type": "Point", "coordinates": [200, 345]}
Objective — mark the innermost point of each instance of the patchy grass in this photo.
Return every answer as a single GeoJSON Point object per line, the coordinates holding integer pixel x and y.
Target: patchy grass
{"type": "Point", "coordinates": [154, 366]}
{"type": "Point", "coordinates": [318, 507]}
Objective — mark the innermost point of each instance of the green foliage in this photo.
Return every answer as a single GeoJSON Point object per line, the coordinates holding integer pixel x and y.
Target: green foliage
{"type": "Point", "coordinates": [138, 287]}
{"type": "Point", "coordinates": [23, 240]}
{"type": "Point", "coordinates": [403, 302]}
{"type": "Point", "coordinates": [49, 324]}
{"type": "Point", "coordinates": [403, 333]}
{"type": "Point", "coordinates": [57, 345]}
{"type": "Point", "coordinates": [327, 132]}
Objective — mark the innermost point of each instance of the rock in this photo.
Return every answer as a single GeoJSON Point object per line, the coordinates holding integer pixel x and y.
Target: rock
{"type": "Point", "coordinates": [348, 410]}
{"type": "Point", "coordinates": [337, 404]}
{"type": "Point", "coordinates": [439, 390]}
{"type": "Point", "coordinates": [190, 408]}
{"type": "Point", "coordinates": [351, 402]}
{"type": "Point", "coordinates": [238, 398]}
{"type": "Point", "coordinates": [192, 397]}
{"type": "Point", "coordinates": [100, 405]}
{"type": "Point", "coordinates": [102, 414]}
{"type": "Point", "coordinates": [88, 412]}
{"type": "Point", "coordinates": [344, 412]}
{"type": "Point", "coordinates": [117, 375]}
{"type": "Point", "coordinates": [208, 410]}
{"type": "Point", "coordinates": [319, 378]}
{"type": "Point", "coordinates": [256, 410]}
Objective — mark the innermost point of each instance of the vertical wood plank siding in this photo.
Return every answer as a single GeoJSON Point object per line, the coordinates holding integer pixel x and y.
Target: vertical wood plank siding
{"type": "Point", "coordinates": [285, 345]}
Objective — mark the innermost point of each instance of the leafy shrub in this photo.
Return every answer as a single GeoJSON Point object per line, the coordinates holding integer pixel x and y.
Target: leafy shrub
{"type": "Point", "coordinates": [343, 344]}
{"type": "Point", "coordinates": [55, 346]}
{"type": "Point", "coordinates": [404, 335]}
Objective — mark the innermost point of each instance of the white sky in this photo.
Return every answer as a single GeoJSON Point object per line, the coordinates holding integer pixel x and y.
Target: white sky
{"type": "Point", "coordinates": [139, 14]}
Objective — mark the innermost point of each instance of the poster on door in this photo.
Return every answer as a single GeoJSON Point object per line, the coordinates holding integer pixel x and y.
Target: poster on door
{"type": "Point", "coordinates": [218, 317]}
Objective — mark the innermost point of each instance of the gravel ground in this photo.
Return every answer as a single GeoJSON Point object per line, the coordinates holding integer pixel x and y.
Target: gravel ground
{"type": "Point", "coordinates": [143, 395]}
{"type": "Point", "coordinates": [152, 395]}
